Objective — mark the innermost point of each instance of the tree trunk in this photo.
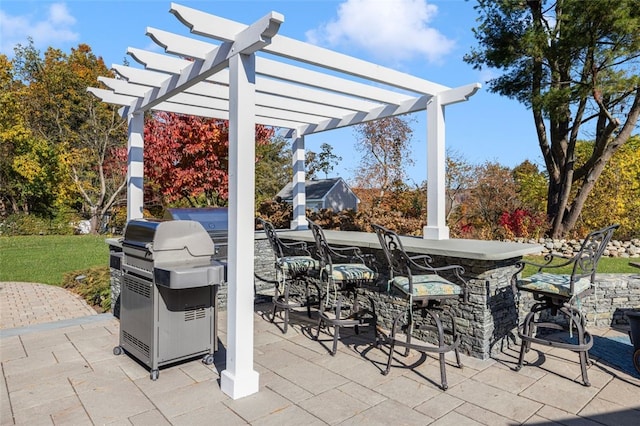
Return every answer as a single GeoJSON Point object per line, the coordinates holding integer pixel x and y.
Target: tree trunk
{"type": "Point", "coordinates": [94, 220]}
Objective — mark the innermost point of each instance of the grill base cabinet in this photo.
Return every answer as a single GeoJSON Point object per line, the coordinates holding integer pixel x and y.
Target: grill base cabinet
{"type": "Point", "coordinates": [168, 298]}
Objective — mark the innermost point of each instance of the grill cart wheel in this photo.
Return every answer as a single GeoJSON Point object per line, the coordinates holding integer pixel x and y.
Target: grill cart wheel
{"type": "Point", "coordinates": [208, 359]}
{"type": "Point", "coordinates": [118, 351]}
{"type": "Point", "coordinates": [155, 373]}
{"type": "Point", "coordinates": [636, 360]}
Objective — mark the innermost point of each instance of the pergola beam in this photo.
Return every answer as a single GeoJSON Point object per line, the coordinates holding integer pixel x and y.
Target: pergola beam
{"type": "Point", "coordinates": [407, 107]}
{"type": "Point", "coordinates": [201, 23]}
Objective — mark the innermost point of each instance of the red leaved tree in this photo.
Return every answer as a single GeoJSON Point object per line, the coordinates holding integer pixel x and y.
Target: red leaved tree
{"type": "Point", "coordinates": [186, 157]}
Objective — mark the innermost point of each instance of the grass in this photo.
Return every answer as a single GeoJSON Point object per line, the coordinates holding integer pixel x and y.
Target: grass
{"type": "Point", "coordinates": [606, 265]}
{"type": "Point", "coordinates": [46, 258]}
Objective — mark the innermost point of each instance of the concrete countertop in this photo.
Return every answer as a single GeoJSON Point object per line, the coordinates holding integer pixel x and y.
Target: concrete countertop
{"type": "Point", "coordinates": [462, 248]}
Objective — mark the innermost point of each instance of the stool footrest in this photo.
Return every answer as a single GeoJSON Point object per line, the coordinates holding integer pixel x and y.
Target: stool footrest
{"type": "Point", "coordinates": [575, 347]}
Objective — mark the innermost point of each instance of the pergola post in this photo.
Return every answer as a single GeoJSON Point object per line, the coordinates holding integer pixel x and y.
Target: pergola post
{"type": "Point", "coordinates": [135, 166]}
{"type": "Point", "coordinates": [239, 379]}
{"type": "Point", "coordinates": [298, 184]}
{"type": "Point", "coordinates": [436, 228]}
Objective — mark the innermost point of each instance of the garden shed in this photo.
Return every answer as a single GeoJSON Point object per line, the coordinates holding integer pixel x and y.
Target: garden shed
{"type": "Point", "coordinates": [333, 193]}
{"type": "Point", "coordinates": [249, 74]}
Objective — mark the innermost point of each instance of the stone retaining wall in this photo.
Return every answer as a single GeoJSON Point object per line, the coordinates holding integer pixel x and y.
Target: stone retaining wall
{"type": "Point", "coordinates": [615, 294]}
{"type": "Point", "coordinates": [625, 249]}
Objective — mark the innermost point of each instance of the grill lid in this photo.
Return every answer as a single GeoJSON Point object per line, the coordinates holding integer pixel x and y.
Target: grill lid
{"type": "Point", "coordinates": [183, 238]}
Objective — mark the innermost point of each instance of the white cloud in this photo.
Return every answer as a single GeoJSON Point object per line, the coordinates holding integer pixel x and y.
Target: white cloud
{"type": "Point", "coordinates": [53, 29]}
{"type": "Point", "coordinates": [390, 30]}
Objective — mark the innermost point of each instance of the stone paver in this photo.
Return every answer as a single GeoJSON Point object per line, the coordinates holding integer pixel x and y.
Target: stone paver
{"type": "Point", "coordinates": [66, 373]}
{"type": "Point", "coordinates": [552, 390]}
{"type": "Point", "coordinates": [389, 412]}
{"type": "Point", "coordinates": [24, 304]}
{"type": "Point", "coordinates": [496, 400]}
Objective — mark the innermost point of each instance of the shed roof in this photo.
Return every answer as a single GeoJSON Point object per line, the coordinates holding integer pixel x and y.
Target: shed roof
{"type": "Point", "coordinates": [314, 189]}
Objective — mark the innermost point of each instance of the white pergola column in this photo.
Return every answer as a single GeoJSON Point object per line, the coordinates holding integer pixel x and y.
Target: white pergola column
{"type": "Point", "coordinates": [298, 185]}
{"type": "Point", "coordinates": [436, 228]}
{"type": "Point", "coordinates": [239, 379]}
{"type": "Point", "coordinates": [135, 166]}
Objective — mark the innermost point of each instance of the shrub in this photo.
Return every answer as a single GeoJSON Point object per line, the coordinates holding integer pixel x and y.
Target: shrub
{"type": "Point", "coordinates": [63, 223]}
{"type": "Point", "coordinates": [278, 213]}
{"type": "Point", "coordinates": [24, 224]}
{"type": "Point", "coordinates": [523, 223]}
{"type": "Point", "coordinates": [93, 285]}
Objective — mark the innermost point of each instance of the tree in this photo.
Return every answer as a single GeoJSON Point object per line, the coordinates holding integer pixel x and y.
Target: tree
{"type": "Point", "coordinates": [460, 176]}
{"type": "Point", "coordinates": [574, 63]}
{"type": "Point", "coordinates": [27, 162]}
{"type": "Point", "coordinates": [616, 195]}
{"type": "Point", "coordinates": [190, 157]}
{"type": "Point", "coordinates": [77, 134]}
{"type": "Point", "coordinates": [321, 162]}
{"type": "Point", "coordinates": [386, 152]}
{"type": "Point", "coordinates": [18, 164]}
{"type": "Point", "coordinates": [532, 186]}
{"type": "Point", "coordinates": [273, 169]}
{"type": "Point", "coordinates": [492, 194]}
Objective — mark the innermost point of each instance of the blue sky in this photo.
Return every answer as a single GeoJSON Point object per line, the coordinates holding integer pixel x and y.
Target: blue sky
{"type": "Point", "coordinates": [424, 38]}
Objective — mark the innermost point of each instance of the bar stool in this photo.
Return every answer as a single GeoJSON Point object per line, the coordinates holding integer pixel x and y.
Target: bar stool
{"type": "Point", "coordinates": [343, 270]}
{"type": "Point", "coordinates": [562, 294]}
{"type": "Point", "coordinates": [425, 287]}
{"type": "Point", "coordinates": [293, 264]}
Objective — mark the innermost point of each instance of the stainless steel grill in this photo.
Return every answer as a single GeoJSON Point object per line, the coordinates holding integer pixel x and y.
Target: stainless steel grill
{"type": "Point", "coordinates": [169, 288]}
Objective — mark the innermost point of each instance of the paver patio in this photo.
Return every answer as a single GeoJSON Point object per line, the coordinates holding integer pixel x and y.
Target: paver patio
{"type": "Point", "coordinates": [64, 372]}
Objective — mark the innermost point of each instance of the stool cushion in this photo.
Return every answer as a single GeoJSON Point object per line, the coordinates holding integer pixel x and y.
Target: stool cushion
{"type": "Point", "coordinates": [556, 284]}
{"type": "Point", "coordinates": [352, 272]}
{"type": "Point", "coordinates": [297, 264]}
{"type": "Point", "coordinates": [427, 285]}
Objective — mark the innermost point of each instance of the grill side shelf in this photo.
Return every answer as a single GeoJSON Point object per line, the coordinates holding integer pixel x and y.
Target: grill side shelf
{"type": "Point", "coordinates": [186, 276]}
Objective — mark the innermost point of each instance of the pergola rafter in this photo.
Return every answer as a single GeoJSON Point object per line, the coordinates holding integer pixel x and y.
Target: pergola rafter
{"type": "Point", "coordinates": [317, 92]}
{"type": "Point", "coordinates": [249, 74]}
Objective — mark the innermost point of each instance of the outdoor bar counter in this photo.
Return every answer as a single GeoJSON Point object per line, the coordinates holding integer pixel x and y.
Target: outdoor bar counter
{"type": "Point", "coordinates": [489, 319]}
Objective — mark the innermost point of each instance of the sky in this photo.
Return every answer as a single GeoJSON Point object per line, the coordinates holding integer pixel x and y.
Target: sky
{"type": "Point", "coordinates": [425, 38]}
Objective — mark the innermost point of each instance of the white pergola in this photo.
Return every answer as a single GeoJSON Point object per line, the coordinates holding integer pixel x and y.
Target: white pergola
{"type": "Point", "coordinates": [251, 75]}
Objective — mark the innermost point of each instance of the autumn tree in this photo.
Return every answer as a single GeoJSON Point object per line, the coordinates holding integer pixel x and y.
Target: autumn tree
{"type": "Point", "coordinates": [385, 146]}
{"type": "Point", "coordinates": [532, 186]}
{"type": "Point", "coordinates": [616, 195]}
{"type": "Point", "coordinates": [24, 158]}
{"type": "Point", "coordinates": [75, 134]}
{"type": "Point", "coordinates": [459, 178]}
{"type": "Point", "coordinates": [574, 64]}
{"type": "Point", "coordinates": [187, 157]}
{"type": "Point", "coordinates": [492, 193]}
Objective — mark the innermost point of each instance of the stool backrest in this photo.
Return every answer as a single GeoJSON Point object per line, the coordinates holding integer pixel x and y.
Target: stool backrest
{"type": "Point", "coordinates": [591, 250]}
{"type": "Point", "coordinates": [274, 240]}
{"type": "Point", "coordinates": [323, 251]}
{"type": "Point", "coordinates": [393, 251]}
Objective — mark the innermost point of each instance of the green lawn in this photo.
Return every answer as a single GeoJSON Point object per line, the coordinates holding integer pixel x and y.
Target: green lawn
{"type": "Point", "coordinates": [607, 265]}
{"type": "Point", "coordinates": [46, 258]}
